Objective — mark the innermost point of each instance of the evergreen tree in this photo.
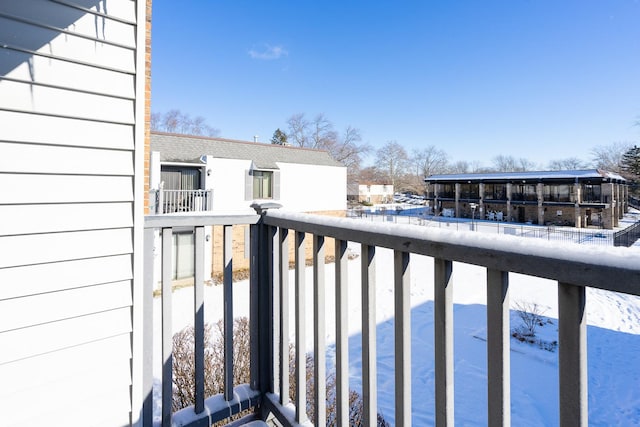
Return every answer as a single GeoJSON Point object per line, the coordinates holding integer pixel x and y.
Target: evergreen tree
{"type": "Point", "coordinates": [279, 138]}
{"type": "Point", "coordinates": [630, 162]}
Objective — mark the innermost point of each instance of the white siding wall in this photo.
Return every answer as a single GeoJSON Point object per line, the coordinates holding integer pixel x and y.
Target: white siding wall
{"type": "Point", "coordinates": [303, 188]}
{"type": "Point", "coordinates": [376, 192]}
{"type": "Point", "coordinates": [227, 180]}
{"type": "Point", "coordinates": [309, 188]}
{"type": "Point", "coordinates": [68, 142]}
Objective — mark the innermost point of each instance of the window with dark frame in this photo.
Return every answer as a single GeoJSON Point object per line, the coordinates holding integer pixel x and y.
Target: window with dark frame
{"type": "Point", "coordinates": [262, 184]}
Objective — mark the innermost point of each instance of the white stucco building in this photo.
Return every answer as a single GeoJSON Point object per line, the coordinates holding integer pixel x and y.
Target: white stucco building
{"type": "Point", "coordinates": [234, 174]}
{"type": "Point", "coordinates": [375, 193]}
{"type": "Point", "coordinates": [197, 175]}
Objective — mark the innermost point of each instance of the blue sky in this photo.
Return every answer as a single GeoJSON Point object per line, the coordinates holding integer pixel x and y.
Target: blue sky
{"type": "Point", "coordinates": [541, 79]}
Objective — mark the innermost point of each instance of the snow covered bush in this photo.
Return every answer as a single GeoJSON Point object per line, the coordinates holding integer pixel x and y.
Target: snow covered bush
{"type": "Point", "coordinates": [184, 361]}
{"type": "Point", "coordinates": [184, 367]}
{"type": "Point", "coordinates": [356, 405]}
{"type": "Point", "coordinates": [530, 314]}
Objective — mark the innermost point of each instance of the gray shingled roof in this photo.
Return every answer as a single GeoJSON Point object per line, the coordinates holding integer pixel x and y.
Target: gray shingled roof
{"type": "Point", "coordinates": [186, 148]}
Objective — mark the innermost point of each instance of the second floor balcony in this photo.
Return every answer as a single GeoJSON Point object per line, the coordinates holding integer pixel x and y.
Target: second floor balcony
{"type": "Point", "coordinates": [172, 201]}
{"type": "Point", "coordinates": [309, 303]}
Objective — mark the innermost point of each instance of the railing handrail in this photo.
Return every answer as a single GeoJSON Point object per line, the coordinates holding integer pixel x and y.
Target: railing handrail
{"type": "Point", "coordinates": [188, 219]}
{"type": "Point", "coordinates": [192, 190]}
{"type": "Point", "coordinates": [607, 268]}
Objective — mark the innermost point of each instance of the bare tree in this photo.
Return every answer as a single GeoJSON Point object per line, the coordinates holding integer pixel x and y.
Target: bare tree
{"type": "Point", "coordinates": [428, 161]}
{"type": "Point", "coordinates": [371, 175]}
{"type": "Point", "coordinates": [298, 130]}
{"type": "Point", "coordinates": [502, 163]}
{"type": "Point", "coordinates": [570, 163]}
{"type": "Point", "coordinates": [170, 121]}
{"type": "Point", "coordinates": [424, 162]}
{"type": "Point", "coordinates": [156, 121]}
{"type": "Point", "coordinates": [323, 136]}
{"type": "Point", "coordinates": [392, 160]}
{"type": "Point", "coordinates": [185, 124]}
{"type": "Point", "coordinates": [175, 121]}
{"type": "Point", "coordinates": [319, 133]}
{"type": "Point", "coordinates": [461, 166]}
{"type": "Point", "coordinates": [199, 126]}
{"type": "Point", "coordinates": [609, 157]}
{"type": "Point", "coordinates": [528, 165]}
{"type": "Point", "coordinates": [348, 149]}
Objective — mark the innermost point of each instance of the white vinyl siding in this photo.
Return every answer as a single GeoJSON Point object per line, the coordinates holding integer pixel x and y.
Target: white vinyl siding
{"type": "Point", "coordinates": [88, 25]}
{"type": "Point", "coordinates": [69, 146]}
{"type": "Point", "coordinates": [28, 280]}
{"type": "Point", "coordinates": [57, 247]}
{"type": "Point", "coordinates": [54, 189]}
{"type": "Point", "coordinates": [58, 73]}
{"type": "Point", "coordinates": [20, 96]}
{"type": "Point", "coordinates": [50, 389]}
{"type": "Point", "coordinates": [64, 305]}
{"type": "Point", "coordinates": [53, 218]}
{"type": "Point", "coordinates": [37, 38]}
{"type": "Point", "coordinates": [65, 131]}
{"type": "Point", "coordinates": [25, 158]}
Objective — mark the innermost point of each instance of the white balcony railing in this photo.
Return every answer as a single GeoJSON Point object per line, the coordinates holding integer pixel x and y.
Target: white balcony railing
{"type": "Point", "coordinates": [270, 312]}
{"type": "Point", "coordinates": [172, 201]}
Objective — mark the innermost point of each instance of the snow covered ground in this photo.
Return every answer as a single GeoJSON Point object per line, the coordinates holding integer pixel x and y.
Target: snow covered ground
{"type": "Point", "coordinates": [613, 343]}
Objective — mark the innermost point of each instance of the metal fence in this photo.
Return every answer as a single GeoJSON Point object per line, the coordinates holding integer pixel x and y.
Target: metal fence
{"type": "Point", "coordinates": [589, 236]}
{"type": "Point", "coordinates": [628, 236]}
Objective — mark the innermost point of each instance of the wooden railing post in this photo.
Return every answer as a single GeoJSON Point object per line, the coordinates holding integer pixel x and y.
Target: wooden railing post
{"type": "Point", "coordinates": [572, 355]}
{"type": "Point", "coordinates": [283, 251]}
{"type": "Point", "coordinates": [147, 329]}
{"type": "Point", "coordinates": [261, 305]}
{"type": "Point", "coordinates": [167, 337]}
{"type": "Point", "coordinates": [198, 320]}
{"type": "Point", "coordinates": [443, 311]}
{"type": "Point", "coordinates": [342, 333]}
{"type": "Point", "coordinates": [402, 323]}
{"type": "Point", "coordinates": [319, 355]}
{"type": "Point", "coordinates": [227, 279]}
{"type": "Point", "coordinates": [301, 330]}
{"type": "Point", "coordinates": [498, 349]}
{"type": "Point", "coordinates": [369, 354]}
